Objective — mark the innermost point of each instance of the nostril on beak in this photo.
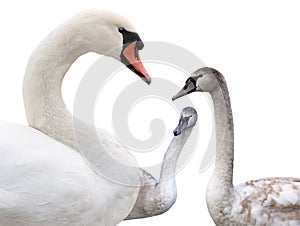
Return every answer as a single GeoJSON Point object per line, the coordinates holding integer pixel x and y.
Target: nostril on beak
{"type": "Point", "coordinates": [176, 132]}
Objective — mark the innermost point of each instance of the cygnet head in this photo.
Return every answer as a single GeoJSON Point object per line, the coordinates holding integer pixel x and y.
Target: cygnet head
{"type": "Point", "coordinates": [112, 35]}
{"type": "Point", "coordinates": [203, 80]}
{"type": "Point", "coordinates": [188, 118]}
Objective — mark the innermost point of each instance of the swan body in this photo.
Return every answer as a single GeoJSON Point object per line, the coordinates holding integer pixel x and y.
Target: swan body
{"type": "Point", "coordinates": [267, 201]}
{"type": "Point", "coordinates": [43, 182]}
{"type": "Point", "coordinates": [158, 196]}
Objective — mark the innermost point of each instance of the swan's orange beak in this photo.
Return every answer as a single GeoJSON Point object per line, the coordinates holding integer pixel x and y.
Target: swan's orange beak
{"type": "Point", "coordinates": [131, 58]}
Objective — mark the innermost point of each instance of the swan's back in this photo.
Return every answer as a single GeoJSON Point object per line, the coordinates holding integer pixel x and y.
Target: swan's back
{"type": "Point", "coordinates": [268, 201]}
{"type": "Point", "coordinates": [43, 182]}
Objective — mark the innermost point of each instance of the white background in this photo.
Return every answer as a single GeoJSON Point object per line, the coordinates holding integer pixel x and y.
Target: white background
{"type": "Point", "coordinates": [255, 44]}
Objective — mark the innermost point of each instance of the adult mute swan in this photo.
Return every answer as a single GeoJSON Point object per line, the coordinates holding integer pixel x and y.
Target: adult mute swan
{"type": "Point", "coordinates": [90, 31]}
{"type": "Point", "coordinates": [267, 201]}
{"type": "Point", "coordinates": [156, 197]}
{"type": "Point", "coordinates": [100, 32]}
{"type": "Point", "coordinates": [44, 182]}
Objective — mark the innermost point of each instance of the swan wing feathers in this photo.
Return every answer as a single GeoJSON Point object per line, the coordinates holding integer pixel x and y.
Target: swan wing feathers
{"type": "Point", "coordinates": [43, 182]}
{"type": "Point", "coordinates": [269, 201]}
{"type": "Point", "coordinates": [116, 149]}
{"type": "Point", "coordinates": [87, 139]}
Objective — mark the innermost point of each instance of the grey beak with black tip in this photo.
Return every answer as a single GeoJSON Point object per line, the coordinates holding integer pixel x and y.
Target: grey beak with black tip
{"type": "Point", "coordinates": [189, 87]}
{"type": "Point", "coordinates": [181, 126]}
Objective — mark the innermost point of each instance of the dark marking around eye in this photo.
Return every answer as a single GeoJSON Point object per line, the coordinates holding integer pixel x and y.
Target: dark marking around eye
{"type": "Point", "coordinates": [129, 37]}
{"type": "Point", "coordinates": [191, 79]}
{"type": "Point", "coordinates": [121, 29]}
{"type": "Point", "coordinates": [188, 118]}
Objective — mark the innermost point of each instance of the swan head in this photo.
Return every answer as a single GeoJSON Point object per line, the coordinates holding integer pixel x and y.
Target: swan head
{"type": "Point", "coordinates": [203, 80]}
{"type": "Point", "coordinates": [188, 118]}
{"type": "Point", "coordinates": [110, 34]}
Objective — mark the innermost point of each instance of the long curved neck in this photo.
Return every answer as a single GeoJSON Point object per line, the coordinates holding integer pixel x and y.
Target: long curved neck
{"type": "Point", "coordinates": [224, 136]}
{"type": "Point", "coordinates": [168, 169]}
{"type": "Point", "coordinates": [220, 187]}
{"type": "Point", "coordinates": [166, 185]}
{"type": "Point", "coordinates": [45, 108]}
{"type": "Point", "coordinates": [47, 112]}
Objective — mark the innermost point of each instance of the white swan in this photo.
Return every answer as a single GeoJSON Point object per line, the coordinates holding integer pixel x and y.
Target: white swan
{"type": "Point", "coordinates": [156, 197]}
{"type": "Point", "coordinates": [267, 201]}
{"type": "Point", "coordinates": [101, 32]}
{"type": "Point", "coordinates": [90, 31]}
{"type": "Point", "coordinates": [43, 182]}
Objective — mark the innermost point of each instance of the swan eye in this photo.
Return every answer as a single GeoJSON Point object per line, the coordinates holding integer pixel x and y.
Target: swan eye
{"type": "Point", "coordinates": [186, 118]}
{"type": "Point", "coordinates": [200, 76]}
{"type": "Point", "coordinates": [121, 29]}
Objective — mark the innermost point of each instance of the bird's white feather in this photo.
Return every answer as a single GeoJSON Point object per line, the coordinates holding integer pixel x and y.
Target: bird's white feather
{"type": "Point", "coordinates": [43, 182]}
